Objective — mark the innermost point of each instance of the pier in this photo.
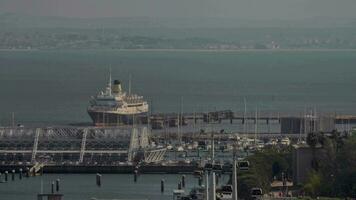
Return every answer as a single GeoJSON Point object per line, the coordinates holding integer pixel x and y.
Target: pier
{"type": "Point", "coordinates": [172, 119]}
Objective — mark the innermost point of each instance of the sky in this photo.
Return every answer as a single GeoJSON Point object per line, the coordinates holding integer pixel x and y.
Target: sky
{"type": "Point", "coordinates": [242, 9]}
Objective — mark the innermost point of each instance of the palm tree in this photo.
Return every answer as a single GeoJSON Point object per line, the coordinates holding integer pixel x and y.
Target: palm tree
{"type": "Point", "coordinates": [313, 141]}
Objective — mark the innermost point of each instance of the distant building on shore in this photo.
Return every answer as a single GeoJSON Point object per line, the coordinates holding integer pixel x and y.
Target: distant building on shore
{"type": "Point", "coordinates": [302, 156]}
{"type": "Point", "coordinates": [307, 124]}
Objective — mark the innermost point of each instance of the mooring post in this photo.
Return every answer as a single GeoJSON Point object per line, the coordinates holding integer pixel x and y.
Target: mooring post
{"type": "Point", "coordinates": [162, 186]}
{"type": "Point", "coordinates": [13, 175]}
{"type": "Point", "coordinates": [20, 173]}
{"type": "Point", "coordinates": [52, 187]}
{"type": "Point", "coordinates": [135, 176]}
{"type": "Point", "coordinates": [57, 184]}
{"type": "Point", "coordinates": [27, 172]}
{"type": "Point", "coordinates": [98, 180]}
{"type": "Point", "coordinates": [183, 181]}
{"type": "Point", "coordinates": [200, 181]}
{"type": "Point", "coordinates": [6, 175]}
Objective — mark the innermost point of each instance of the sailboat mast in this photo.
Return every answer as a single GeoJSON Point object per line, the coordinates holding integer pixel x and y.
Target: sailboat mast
{"type": "Point", "coordinates": [245, 111]}
{"type": "Point", "coordinates": [180, 119]}
{"type": "Point", "coordinates": [256, 124]}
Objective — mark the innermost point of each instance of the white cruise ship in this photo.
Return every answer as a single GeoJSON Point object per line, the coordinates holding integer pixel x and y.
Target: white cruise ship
{"type": "Point", "coordinates": [113, 107]}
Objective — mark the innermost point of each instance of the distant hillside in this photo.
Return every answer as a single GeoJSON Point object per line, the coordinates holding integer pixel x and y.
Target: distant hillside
{"type": "Point", "coordinates": [33, 32]}
{"type": "Point", "coordinates": [26, 21]}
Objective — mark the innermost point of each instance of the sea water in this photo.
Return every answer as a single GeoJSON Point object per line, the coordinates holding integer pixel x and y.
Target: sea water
{"type": "Point", "coordinates": [54, 86]}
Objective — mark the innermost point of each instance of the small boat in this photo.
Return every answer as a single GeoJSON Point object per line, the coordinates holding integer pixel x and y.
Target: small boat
{"type": "Point", "coordinates": [285, 141]}
{"type": "Point", "coordinates": [178, 194]}
{"type": "Point", "coordinates": [180, 148]}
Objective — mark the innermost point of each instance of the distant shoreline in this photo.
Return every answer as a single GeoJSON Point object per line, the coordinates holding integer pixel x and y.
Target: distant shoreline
{"type": "Point", "coordinates": [185, 50]}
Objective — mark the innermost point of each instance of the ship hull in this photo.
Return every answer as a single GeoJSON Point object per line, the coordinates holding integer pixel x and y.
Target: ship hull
{"type": "Point", "coordinates": [114, 119]}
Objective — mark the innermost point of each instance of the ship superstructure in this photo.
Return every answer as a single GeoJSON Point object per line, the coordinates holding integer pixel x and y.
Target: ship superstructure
{"type": "Point", "coordinates": [113, 106]}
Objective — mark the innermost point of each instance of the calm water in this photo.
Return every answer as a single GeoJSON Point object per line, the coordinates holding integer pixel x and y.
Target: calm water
{"type": "Point", "coordinates": [55, 86]}
{"type": "Point", "coordinates": [83, 186]}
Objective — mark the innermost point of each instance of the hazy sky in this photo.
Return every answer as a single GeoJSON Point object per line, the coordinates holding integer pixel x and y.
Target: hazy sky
{"type": "Point", "coordinates": [244, 9]}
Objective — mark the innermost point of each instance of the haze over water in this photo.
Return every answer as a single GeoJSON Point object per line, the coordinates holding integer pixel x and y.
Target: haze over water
{"type": "Point", "coordinates": [54, 87]}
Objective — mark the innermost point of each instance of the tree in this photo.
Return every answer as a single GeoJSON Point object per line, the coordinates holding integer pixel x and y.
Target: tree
{"type": "Point", "coordinates": [313, 141]}
{"type": "Point", "coordinates": [312, 187]}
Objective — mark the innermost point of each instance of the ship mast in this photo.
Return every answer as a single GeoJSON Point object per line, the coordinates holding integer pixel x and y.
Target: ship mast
{"type": "Point", "coordinates": [130, 84]}
{"type": "Point", "coordinates": [109, 84]}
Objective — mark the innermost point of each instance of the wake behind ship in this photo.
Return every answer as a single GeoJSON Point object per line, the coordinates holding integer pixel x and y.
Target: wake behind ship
{"type": "Point", "coordinates": [113, 107]}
